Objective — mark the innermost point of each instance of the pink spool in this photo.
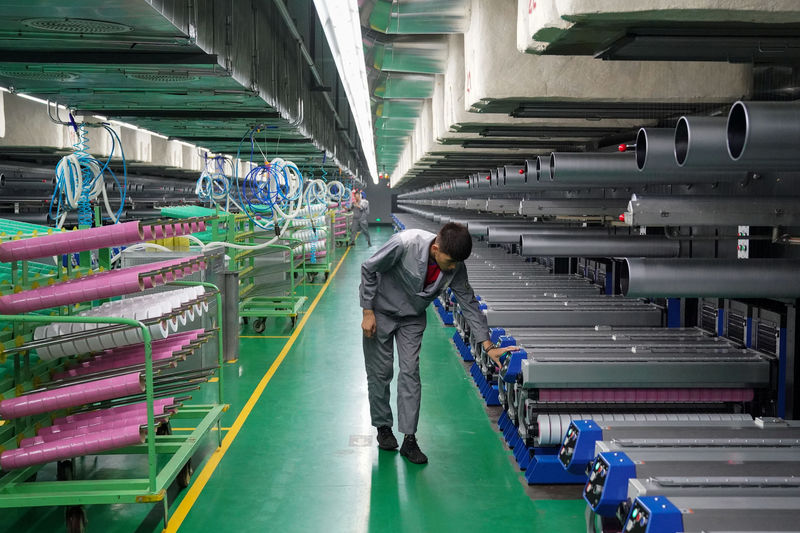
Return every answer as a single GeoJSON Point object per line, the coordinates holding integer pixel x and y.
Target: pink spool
{"type": "Point", "coordinates": [112, 411]}
{"type": "Point", "coordinates": [96, 442]}
{"type": "Point", "coordinates": [73, 241]}
{"type": "Point", "coordinates": [138, 419]}
{"type": "Point", "coordinates": [100, 365]}
{"type": "Point", "coordinates": [71, 396]}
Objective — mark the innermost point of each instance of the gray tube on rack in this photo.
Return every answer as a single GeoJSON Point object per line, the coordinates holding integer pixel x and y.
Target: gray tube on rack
{"type": "Point", "coordinates": [579, 244]}
{"type": "Point", "coordinates": [713, 278]}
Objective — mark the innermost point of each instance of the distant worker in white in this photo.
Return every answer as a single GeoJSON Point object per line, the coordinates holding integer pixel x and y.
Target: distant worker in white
{"type": "Point", "coordinates": [397, 284]}
{"type": "Point", "coordinates": [360, 210]}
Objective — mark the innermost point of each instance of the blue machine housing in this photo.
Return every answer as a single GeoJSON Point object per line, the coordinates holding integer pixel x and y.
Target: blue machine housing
{"type": "Point", "coordinates": [495, 334]}
{"type": "Point", "coordinates": [653, 514]}
{"type": "Point", "coordinates": [608, 482]}
{"type": "Point", "coordinates": [512, 365]}
{"type": "Point", "coordinates": [577, 449]}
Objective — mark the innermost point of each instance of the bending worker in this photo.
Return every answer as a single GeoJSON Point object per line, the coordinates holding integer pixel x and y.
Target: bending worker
{"type": "Point", "coordinates": [360, 210]}
{"type": "Point", "coordinates": [397, 284]}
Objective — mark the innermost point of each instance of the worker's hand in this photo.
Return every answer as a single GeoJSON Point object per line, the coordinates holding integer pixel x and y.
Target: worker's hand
{"type": "Point", "coordinates": [495, 353]}
{"type": "Point", "coordinates": [368, 325]}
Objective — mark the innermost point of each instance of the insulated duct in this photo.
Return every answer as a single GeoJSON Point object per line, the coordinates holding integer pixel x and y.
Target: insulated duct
{"type": "Point", "coordinates": [764, 134]}
{"type": "Point", "coordinates": [593, 244]}
{"type": "Point", "coordinates": [712, 278]}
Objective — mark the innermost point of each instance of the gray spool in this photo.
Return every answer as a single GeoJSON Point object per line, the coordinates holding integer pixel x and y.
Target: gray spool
{"type": "Point", "coordinates": [712, 278]}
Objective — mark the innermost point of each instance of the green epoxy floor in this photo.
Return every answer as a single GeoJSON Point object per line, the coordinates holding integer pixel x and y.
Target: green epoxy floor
{"type": "Point", "coordinates": [306, 458]}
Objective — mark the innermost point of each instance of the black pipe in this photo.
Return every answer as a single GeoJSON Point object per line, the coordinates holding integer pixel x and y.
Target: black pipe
{"type": "Point", "coordinates": [764, 134]}
{"type": "Point", "coordinates": [655, 159]}
{"type": "Point", "coordinates": [700, 143]}
{"type": "Point", "coordinates": [591, 168]}
{"type": "Point", "coordinates": [511, 233]}
{"type": "Point", "coordinates": [579, 244]}
{"type": "Point", "coordinates": [712, 278]}
{"type": "Point", "coordinates": [544, 168]}
{"type": "Point", "coordinates": [530, 171]}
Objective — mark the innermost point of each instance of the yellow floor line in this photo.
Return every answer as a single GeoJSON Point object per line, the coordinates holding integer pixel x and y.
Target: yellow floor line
{"type": "Point", "coordinates": [202, 478]}
{"type": "Point", "coordinates": [232, 361]}
{"type": "Point", "coordinates": [192, 429]}
{"type": "Point", "coordinates": [264, 336]}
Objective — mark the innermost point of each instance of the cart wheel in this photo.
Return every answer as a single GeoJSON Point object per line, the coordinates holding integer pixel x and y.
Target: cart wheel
{"type": "Point", "coordinates": [259, 325]}
{"type": "Point", "coordinates": [65, 470]}
{"type": "Point", "coordinates": [76, 519]}
{"type": "Point", "coordinates": [185, 475]}
{"type": "Point", "coordinates": [164, 429]}
{"type": "Point", "coordinates": [294, 320]}
{"type": "Point", "coordinates": [311, 276]}
{"type": "Point", "coordinates": [245, 320]}
{"type": "Point", "coordinates": [327, 275]}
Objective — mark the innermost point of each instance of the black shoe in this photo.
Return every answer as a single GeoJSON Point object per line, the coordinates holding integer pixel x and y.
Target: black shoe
{"type": "Point", "coordinates": [386, 440]}
{"type": "Point", "coordinates": [410, 450]}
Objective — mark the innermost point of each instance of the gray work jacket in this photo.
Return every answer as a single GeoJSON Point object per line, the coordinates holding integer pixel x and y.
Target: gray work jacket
{"type": "Point", "coordinates": [392, 281]}
{"type": "Point", "coordinates": [362, 211]}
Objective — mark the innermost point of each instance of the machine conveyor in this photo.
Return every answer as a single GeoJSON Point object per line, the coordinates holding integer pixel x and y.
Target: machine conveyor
{"type": "Point", "coordinates": [611, 470]}
{"type": "Point", "coordinates": [734, 369]}
{"type": "Point", "coordinates": [660, 514]}
{"type": "Point", "coordinates": [550, 316]}
{"type": "Point", "coordinates": [578, 445]}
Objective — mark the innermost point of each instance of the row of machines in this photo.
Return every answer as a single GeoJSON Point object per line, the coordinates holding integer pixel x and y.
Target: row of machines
{"type": "Point", "coordinates": [655, 423]}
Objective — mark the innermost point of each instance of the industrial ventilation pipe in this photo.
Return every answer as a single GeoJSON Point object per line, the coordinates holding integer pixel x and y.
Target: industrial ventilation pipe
{"type": "Point", "coordinates": [713, 278]}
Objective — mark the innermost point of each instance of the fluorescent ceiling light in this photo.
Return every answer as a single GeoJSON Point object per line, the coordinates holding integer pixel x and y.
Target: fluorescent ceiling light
{"type": "Point", "coordinates": [340, 20]}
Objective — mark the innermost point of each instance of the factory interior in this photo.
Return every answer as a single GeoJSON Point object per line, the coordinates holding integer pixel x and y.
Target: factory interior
{"type": "Point", "coordinates": [185, 250]}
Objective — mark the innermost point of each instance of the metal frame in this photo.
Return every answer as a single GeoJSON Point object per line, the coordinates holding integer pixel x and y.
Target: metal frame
{"type": "Point", "coordinates": [16, 492]}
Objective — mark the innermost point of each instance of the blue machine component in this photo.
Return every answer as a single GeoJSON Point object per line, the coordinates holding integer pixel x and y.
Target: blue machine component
{"type": "Point", "coordinates": [607, 486]}
{"type": "Point", "coordinates": [577, 449]}
{"type": "Point", "coordinates": [512, 365]}
{"type": "Point", "coordinates": [495, 334]}
{"type": "Point", "coordinates": [463, 348]}
{"type": "Point", "coordinates": [543, 467]}
{"type": "Point", "coordinates": [653, 514]}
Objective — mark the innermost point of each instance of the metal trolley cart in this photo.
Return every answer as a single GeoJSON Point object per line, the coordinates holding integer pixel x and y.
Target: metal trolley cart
{"type": "Point", "coordinates": [104, 382]}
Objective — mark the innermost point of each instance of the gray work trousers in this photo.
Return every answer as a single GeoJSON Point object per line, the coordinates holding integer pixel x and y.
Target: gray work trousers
{"type": "Point", "coordinates": [379, 361]}
{"type": "Point", "coordinates": [363, 225]}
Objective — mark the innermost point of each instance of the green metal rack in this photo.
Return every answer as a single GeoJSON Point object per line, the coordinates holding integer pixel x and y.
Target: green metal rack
{"type": "Point", "coordinates": [269, 277]}
{"type": "Point", "coordinates": [320, 264]}
{"type": "Point", "coordinates": [178, 450]}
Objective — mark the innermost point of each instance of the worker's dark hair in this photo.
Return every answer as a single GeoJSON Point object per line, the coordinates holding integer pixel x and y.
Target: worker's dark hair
{"type": "Point", "coordinates": [455, 241]}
